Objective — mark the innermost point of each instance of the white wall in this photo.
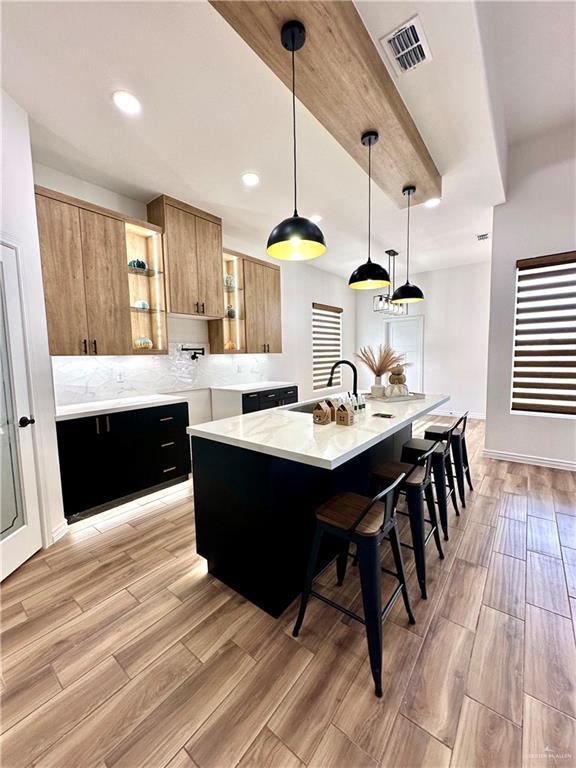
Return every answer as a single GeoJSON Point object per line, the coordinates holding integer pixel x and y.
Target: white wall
{"type": "Point", "coordinates": [79, 379]}
{"type": "Point", "coordinates": [18, 225]}
{"type": "Point", "coordinates": [456, 315]}
{"type": "Point", "coordinates": [75, 187]}
{"type": "Point", "coordinates": [538, 218]}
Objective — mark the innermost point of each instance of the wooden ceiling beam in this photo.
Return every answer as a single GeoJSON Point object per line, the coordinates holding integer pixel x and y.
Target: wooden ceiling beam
{"type": "Point", "coordinates": [343, 82]}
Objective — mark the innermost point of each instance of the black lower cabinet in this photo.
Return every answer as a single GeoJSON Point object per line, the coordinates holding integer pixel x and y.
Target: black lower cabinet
{"type": "Point", "coordinates": [107, 458]}
{"type": "Point", "coordinates": [269, 398]}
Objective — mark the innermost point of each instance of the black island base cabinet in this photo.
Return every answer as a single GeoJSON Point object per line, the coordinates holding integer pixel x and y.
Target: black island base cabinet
{"type": "Point", "coordinates": [116, 456]}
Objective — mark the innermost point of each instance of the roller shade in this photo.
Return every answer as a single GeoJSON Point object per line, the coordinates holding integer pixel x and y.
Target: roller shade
{"type": "Point", "coordinates": [544, 365]}
{"type": "Point", "coordinates": [326, 344]}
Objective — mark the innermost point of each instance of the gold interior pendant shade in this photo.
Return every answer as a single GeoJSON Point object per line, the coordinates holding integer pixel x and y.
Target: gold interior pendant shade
{"type": "Point", "coordinates": [295, 238]}
{"type": "Point", "coordinates": [370, 275]}
{"type": "Point", "coordinates": [407, 293]}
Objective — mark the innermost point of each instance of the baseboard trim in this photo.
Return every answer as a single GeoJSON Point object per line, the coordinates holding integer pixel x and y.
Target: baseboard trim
{"type": "Point", "coordinates": [59, 531]}
{"type": "Point", "coordinates": [471, 414]}
{"type": "Point", "coordinates": [522, 458]}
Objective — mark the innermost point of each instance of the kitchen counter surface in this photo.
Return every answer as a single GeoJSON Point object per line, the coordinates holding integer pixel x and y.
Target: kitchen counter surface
{"type": "Point", "coordinates": [256, 386]}
{"type": "Point", "coordinates": [100, 407]}
{"type": "Point", "coordinates": [287, 434]}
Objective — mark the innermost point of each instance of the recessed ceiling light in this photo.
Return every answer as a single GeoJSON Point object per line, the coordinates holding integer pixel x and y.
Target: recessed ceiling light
{"type": "Point", "coordinates": [316, 219]}
{"type": "Point", "coordinates": [251, 179]}
{"type": "Point", "coordinates": [127, 102]}
{"type": "Point", "coordinates": [433, 202]}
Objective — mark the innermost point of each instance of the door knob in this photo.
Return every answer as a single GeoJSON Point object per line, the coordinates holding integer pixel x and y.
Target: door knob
{"type": "Point", "coordinates": [25, 421]}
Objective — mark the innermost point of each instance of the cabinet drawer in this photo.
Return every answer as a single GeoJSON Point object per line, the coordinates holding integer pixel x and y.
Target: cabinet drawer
{"type": "Point", "coordinates": [250, 402]}
{"type": "Point", "coordinates": [166, 419]}
{"type": "Point", "coordinates": [288, 393]}
{"type": "Point", "coordinates": [269, 398]}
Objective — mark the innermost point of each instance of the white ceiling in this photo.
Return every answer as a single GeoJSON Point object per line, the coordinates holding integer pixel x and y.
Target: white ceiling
{"type": "Point", "coordinates": [212, 110]}
{"type": "Point", "coordinates": [534, 46]}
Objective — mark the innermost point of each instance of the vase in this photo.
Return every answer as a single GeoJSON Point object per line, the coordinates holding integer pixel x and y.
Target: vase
{"type": "Point", "coordinates": [377, 389]}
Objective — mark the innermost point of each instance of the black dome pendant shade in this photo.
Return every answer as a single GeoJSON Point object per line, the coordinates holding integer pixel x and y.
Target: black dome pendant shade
{"type": "Point", "coordinates": [370, 275]}
{"type": "Point", "coordinates": [295, 238]}
{"type": "Point", "coordinates": [407, 293]}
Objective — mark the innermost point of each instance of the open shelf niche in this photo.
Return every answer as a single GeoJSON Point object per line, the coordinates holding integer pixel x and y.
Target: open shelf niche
{"type": "Point", "coordinates": [147, 290]}
{"type": "Point", "coordinates": [228, 335]}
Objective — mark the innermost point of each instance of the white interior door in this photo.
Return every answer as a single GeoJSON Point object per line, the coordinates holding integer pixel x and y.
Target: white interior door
{"type": "Point", "coordinates": [406, 336]}
{"type": "Point", "coordinates": [20, 534]}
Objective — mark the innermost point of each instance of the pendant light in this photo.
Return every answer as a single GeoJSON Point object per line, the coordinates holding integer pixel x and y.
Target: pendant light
{"type": "Point", "coordinates": [407, 293]}
{"type": "Point", "coordinates": [295, 238]}
{"type": "Point", "coordinates": [370, 275]}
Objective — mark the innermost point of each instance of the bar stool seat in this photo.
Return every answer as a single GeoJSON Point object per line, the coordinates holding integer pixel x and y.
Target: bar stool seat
{"type": "Point", "coordinates": [344, 509]}
{"type": "Point", "coordinates": [392, 469]}
{"type": "Point", "coordinates": [355, 519]}
{"type": "Point", "coordinates": [423, 444]}
{"type": "Point", "coordinates": [439, 432]}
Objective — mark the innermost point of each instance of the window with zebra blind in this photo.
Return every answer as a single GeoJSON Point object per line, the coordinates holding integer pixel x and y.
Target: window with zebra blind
{"type": "Point", "coordinates": [544, 366]}
{"type": "Point", "coordinates": [326, 344]}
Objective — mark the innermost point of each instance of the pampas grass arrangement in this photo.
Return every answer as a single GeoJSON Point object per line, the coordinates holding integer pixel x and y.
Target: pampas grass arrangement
{"type": "Point", "coordinates": [379, 361]}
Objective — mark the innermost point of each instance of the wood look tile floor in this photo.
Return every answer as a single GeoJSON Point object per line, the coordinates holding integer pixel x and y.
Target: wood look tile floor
{"type": "Point", "coordinates": [119, 649]}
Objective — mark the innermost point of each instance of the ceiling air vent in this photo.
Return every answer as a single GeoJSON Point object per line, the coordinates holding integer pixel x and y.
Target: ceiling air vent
{"type": "Point", "coordinates": [407, 47]}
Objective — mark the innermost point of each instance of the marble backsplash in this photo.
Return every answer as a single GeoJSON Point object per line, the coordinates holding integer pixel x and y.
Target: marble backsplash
{"type": "Point", "coordinates": [83, 379]}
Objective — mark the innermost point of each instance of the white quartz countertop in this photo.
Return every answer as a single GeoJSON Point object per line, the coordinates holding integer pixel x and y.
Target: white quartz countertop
{"type": "Point", "coordinates": [291, 435]}
{"type": "Point", "coordinates": [100, 407]}
{"type": "Point", "coordinates": [256, 386]}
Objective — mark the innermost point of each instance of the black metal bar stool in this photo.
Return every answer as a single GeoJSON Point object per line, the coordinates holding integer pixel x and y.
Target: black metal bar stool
{"type": "Point", "coordinates": [365, 522]}
{"type": "Point", "coordinates": [459, 451]}
{"type": "Point", "coordinates": [417, 487]}
{"type": "Point", "coordinates": [441, 469]}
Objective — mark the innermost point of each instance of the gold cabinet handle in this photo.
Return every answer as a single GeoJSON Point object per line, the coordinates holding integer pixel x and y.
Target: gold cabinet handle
{"type": "Point", "coordinates": [97, 425]}
{"type": "Point", "coordinates": [167, 418]}
{"type": "Point", "coordinates": [170, 469]}
{"type": "Point", "coordinates": [107, 423]}
{"type": "Point", "coordinates": [165, 445]}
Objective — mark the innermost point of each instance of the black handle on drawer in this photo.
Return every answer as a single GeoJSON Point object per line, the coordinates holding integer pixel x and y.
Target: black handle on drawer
{"type": "Point", "coordinates": [85, 345]}
{"type": "Point", "coordinates": [95, 346]}
{"type": "Point", "coordinates": [203, 308]}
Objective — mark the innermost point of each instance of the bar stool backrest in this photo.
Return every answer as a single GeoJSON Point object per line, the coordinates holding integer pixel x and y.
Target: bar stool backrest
{"type": "Point", "coordinates": [450, 431]}
{"type": "Point", "coordinates": [425, 461]}
{"type": "Point", "coordinates": [389, 499]}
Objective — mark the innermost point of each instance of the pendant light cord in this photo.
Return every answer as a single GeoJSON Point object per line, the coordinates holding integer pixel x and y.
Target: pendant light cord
{"type": "Point", "coordinates": [294, 122]}
{"type": "Point", "coordinates": [369, 196]}
{"type": "Point", "coordinates": [408, 242]}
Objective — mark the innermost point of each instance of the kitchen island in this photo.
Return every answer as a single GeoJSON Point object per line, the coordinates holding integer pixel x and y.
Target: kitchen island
{"type": "Point", "coordinates": [258, 479]}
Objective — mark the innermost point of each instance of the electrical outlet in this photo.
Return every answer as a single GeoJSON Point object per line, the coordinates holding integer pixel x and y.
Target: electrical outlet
{"type": "Point", "coordinates": [119, 376]}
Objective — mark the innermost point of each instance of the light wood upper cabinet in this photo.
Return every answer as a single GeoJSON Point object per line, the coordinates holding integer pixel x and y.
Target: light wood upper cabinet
{"type": "Point", "coordinates": [193, 251]}
{"type": "Point", "coordinates": [253, 321]}
{"type": "Point", "coordinates": [93, 296]}
{"type": "Point", "coordinates": [63, 276]}
{"type": "Point", "coordinates": [106, 283]}
{"type": "Point", "coordinates": [180, 239]}
{"type": "Point", "coordinates": [273, 304]}
{"type": "Point", "coordinates": [263, 307]}
{"type": "Point", "coordinates": [209, 253]}
{"type": "Point", "coordinates": [254, 289]}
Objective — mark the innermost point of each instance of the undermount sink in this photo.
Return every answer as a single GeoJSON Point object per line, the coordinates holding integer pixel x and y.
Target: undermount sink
{"type": "Point", "coordinates": [305, 407]}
